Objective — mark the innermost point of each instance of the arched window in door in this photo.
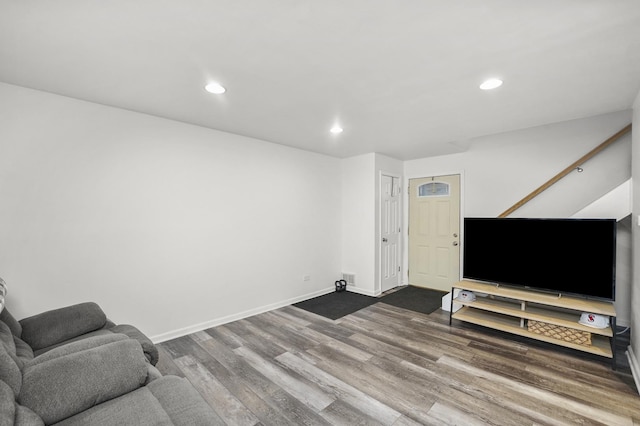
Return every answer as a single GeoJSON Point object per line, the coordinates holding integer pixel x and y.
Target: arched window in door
{"type": "Point", "coordinates": [433, 189]}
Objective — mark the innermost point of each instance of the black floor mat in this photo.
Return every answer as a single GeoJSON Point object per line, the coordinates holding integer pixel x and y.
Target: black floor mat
{"type": "Point", "coordinates": [337, 304]}
{"type": "Point", "coordinates": [416, 299]}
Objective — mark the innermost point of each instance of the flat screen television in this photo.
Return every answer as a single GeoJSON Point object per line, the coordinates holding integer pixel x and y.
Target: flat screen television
{"type": "Point", "coordinates": [564, 256]}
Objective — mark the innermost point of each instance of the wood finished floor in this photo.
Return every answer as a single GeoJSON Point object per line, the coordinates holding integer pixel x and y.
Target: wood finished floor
{"type": "Point", "coordinates": [385, 365]}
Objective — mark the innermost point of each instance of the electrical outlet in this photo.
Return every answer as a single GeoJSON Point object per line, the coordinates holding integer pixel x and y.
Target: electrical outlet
{"type": "Point", "coordinates": [306, 278]}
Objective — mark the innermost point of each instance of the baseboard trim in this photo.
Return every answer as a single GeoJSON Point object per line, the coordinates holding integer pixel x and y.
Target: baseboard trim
{"type": "Point", "coordinates": [235, 317]}
{"type": "Point", "coordinates": [635, 367]}
{"type": "Point", "coordinates": [362, 291]}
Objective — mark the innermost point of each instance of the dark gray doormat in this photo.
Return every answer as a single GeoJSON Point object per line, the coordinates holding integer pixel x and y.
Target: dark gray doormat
{"type": "Point", "coordinates": [337, 304]}
{"type": "Point", "coordinates": [415, 299]}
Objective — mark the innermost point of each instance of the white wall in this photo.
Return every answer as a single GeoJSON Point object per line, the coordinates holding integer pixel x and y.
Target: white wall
{"type": "Point", "coordinates": [634, 348]}
{"type": "Point", "coordinates": [358, 221]}
{"type": "Point", "coordinates": [168, 226]}
{"type": "Point", "coordinates": [361, 218]}
{"type": "Point", "coordinates": [502, 169]}
{"type": "Point", "coordinates": [499, 170]}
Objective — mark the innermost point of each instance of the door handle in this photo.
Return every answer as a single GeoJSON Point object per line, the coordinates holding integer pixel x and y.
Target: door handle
{"type": "Point", "coordinates": [384, 240]}
{"type": "Point", "coordinates": [455, 243]}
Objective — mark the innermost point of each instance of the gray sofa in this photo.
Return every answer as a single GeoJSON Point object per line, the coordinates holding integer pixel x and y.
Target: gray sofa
{"type": "Point", "coordinates": [80, 372]}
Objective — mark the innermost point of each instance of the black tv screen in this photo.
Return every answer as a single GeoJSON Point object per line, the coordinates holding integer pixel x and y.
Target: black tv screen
{"type": "Point", "coordinates": [565, 256]}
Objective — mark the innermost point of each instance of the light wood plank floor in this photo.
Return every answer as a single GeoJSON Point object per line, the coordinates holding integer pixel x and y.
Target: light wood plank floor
{"type": "Point", "coordinates": [385, 365]}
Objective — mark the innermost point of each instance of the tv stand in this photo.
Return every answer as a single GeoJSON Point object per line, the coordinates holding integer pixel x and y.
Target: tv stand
{"type": "Point", "coordinates": [521, 312]}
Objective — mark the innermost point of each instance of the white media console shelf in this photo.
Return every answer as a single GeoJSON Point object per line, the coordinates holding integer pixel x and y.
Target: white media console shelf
{"type": "Point", "coordinates": [510, 310]}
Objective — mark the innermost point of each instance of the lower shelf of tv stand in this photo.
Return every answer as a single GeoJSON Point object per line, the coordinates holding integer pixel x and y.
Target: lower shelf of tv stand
{"type": "Point", "coordinates": [600, 345]}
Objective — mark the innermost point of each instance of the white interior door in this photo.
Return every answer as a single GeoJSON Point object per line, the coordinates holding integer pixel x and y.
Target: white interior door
{"type": "Point", "coordinates": [389, 232]}
{"type": "Point", "coordinates": [434, 229]}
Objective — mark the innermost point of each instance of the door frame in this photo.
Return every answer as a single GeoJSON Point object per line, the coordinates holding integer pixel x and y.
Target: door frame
{"type": "Point", "coordinates": [405, 217]}
{"type": "Point", "coordinates": [401, 242]}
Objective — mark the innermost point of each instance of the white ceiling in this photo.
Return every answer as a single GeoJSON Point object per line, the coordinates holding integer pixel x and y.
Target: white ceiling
{"type": "Point", "coordinates": [401, 76]}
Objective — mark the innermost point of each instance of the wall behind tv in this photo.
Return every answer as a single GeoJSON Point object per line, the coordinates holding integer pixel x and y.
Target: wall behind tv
{"type": "Point", "coordinates": [166, 225]}
{"type": "Point", "coordinates": [499, 170]}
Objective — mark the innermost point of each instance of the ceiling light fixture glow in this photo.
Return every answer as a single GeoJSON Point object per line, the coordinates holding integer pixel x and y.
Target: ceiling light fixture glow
{"type": "Point", "coordinates": [492, 83]}
{"type": "Point", "coordinates": [215, 88]}
{"type": "Point", "coordinates": [336, 129]}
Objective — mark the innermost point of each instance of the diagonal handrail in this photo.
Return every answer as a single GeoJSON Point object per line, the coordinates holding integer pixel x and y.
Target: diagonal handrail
{"type": "Point", "coordinates": [566, 171]}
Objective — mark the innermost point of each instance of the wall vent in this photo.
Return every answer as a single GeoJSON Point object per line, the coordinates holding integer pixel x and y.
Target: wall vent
{"type": "Point", "coordinates": [349, 278]}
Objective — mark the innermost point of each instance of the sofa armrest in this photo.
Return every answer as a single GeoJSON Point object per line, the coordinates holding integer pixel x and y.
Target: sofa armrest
{"type": "Point", "coordinates": [149, 348]}
{"type": "Point", "coordinates": [55, 326]}
{"type": "Point", "coordinates": [64, 386]}
{"type": "Point", "coordinates": [152, 374]}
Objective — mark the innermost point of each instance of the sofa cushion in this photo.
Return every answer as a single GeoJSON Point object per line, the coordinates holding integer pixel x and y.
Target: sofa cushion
{"type": "Point", "coordinates": [13, 414]}
{"type": "Point", "coordinates": [9, 370]}
{"type": "Point", "coordinates": [58, 325]}
{"type": "Point", "coordinates": [26, 417]}
{"type": "Point", "coordinates": [6, 337]}
{"type": "Point", "coordinates": [181, 401]}
{"type": "Point", "coordinates": [19, 350]}
{"type": "Point", "coordinates": [98, 334]}
{"type": "Point", "coordinates": [23, 351]}
{"type": "Point", "coordinates": [170, 400]}
{"type": "Point", "coordinates": [78, 346]}
{"type": "Point", "coordinates": [14, 325]}
{"type": "Point", "coordinates": [149, 348]}
{"type": "Point", "coordinates": [7, 404]}
{"type": "Point", "coordinates": [41, 333]}
{"type": "Point", "coordinates": [64, 386]}
{"type": "Point", "coordinates": [138, 408]}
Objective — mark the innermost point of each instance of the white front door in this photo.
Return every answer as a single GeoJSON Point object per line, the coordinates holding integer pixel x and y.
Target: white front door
{"type": "Point", "coordinates": [389, 232]}
{"type": "Point", "coordinates": [434, 230]}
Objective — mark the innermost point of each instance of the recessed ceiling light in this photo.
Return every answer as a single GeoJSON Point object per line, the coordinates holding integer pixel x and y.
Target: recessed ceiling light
{"type": "Point", "coordinates": [336, 129]}
{"type": "Point", "coordinates": [492, 83]}
{"type": "Point", "coordinates": [215, 88]}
